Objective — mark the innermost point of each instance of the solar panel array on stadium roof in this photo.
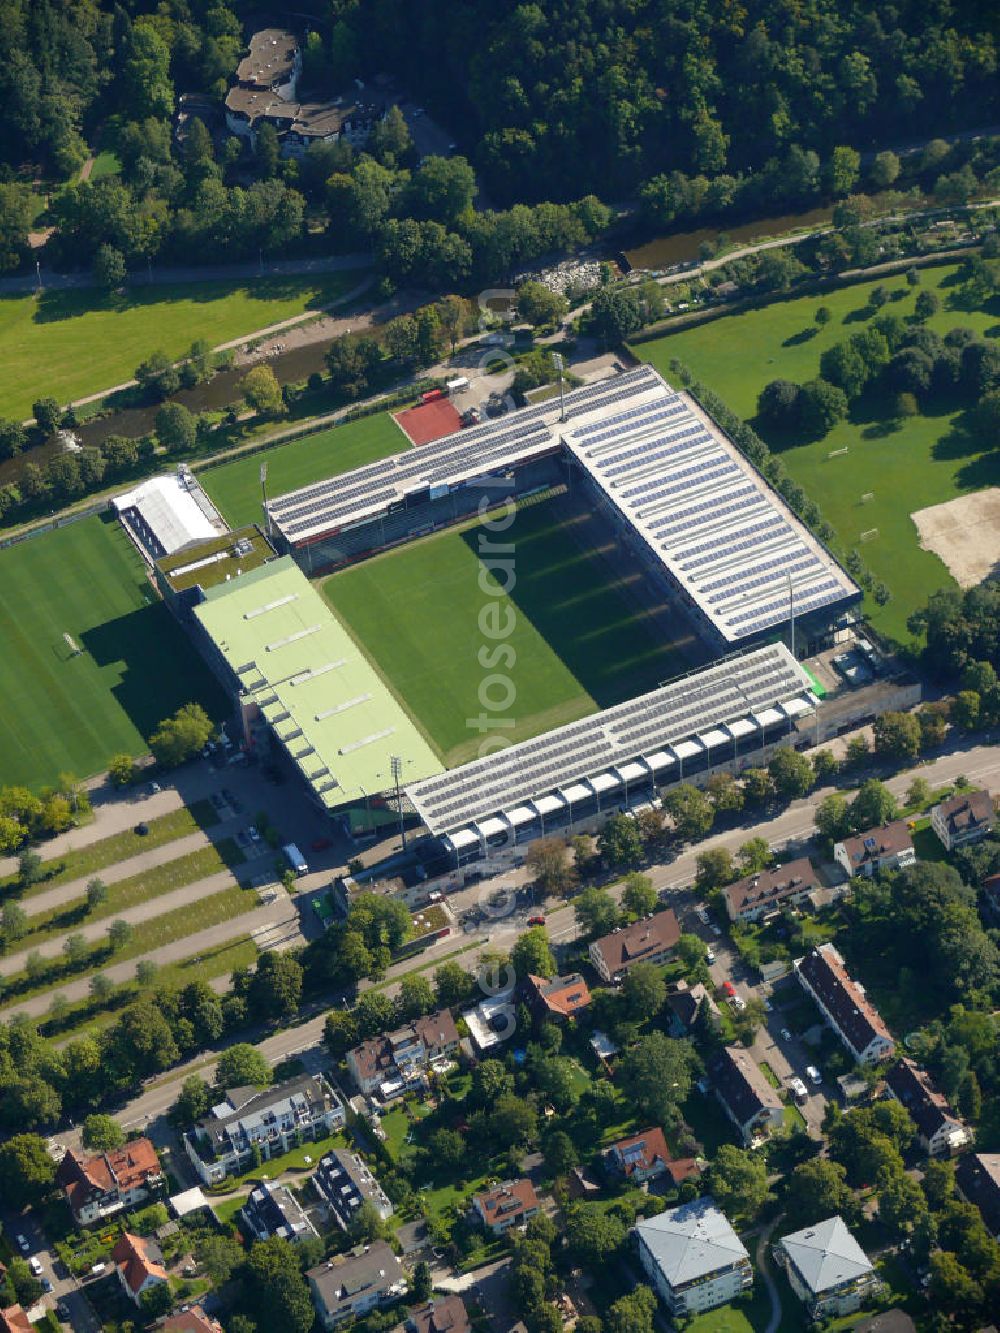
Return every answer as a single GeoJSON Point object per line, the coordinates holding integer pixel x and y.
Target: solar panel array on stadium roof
{"type": "Point", "coordinates": [742, 687]}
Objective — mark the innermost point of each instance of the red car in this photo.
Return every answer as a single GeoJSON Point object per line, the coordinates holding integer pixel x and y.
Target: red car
{"type": "Point", "coordinates": [536, 921]}
{"type": "Point", "coordinates": [321, 844]}
{"type": "Point", "coordinates": [729, 988]}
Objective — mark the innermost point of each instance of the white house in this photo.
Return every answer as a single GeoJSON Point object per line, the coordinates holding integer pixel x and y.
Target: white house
{"type": "Point", "coordinates": [845, 1006]}
{"type": "Point", "coordinates": [827, 1269]}
{"type": "Point", "coordinates": [693, 1257]}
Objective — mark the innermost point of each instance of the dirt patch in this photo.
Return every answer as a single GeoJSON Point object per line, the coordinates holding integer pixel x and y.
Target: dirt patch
{"type": "Point", "coordinates": [965, 533]}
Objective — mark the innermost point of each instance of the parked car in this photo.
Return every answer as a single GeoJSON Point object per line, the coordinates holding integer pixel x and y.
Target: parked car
{"type": "Point", "coordinates": [252, 833]}
{"type": "Point", "coordinates": [813, 1074]}
{"type": "Point", "coordinates": [536, 920]}
{"type": "Point", "coordinates": [35, 1264]}
{"type": "Point", "coordinates": [710, 954]}
{"type": "Point", "coordinates": [22, 1244]}
{"type": "Point", "coordinates": [728, 989]}
{"type": "Point", "coordinates": [798, 1089]}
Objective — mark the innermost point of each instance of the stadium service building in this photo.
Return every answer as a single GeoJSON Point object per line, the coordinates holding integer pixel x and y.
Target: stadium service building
{"type": "Point", "coordinates": [705, 528]}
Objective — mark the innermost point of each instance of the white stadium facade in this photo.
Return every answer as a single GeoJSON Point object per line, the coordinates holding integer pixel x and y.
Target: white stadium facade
{"type": "Point", "coordinates": [711, 537]}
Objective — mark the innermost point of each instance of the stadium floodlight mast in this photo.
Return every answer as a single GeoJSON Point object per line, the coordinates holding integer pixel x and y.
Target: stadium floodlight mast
{"type": "Point", "coordinates": [396, 763]}
{"type": "Point", "coordinates": [263, 492]}
{"type": "Point", "coordinates": [559, 362]}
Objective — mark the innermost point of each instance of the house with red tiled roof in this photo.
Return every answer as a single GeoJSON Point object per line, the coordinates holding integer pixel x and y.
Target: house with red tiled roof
{"type": "Point", "coordinates": [100, 1186]}
{"type": "Point", "coordinates": [14, 1320]}
{"type": "Point", "coordinates": [139, 1264]}
{"type": "Point", "coordinates": [192, 1320]}
{"type": "Point", "coordinates": [844, 1004]}
{"type": "Point", "coordinates": [557, 997]}
{"type": "Point", "coordinates": [508, 1205]}
{"type": "Point", "coordinates": [646, 1157]}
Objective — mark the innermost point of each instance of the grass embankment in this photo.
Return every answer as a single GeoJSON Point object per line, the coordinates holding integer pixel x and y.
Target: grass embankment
{"type": "Point", "coordinates": [74, 343]}
{"type": "Point", "coordinates": [66, 711]}
{"type": "Point", "coordinates": [928, 459]}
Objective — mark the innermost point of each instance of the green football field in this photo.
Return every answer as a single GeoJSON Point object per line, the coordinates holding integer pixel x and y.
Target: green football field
{"type": "Point", "coordinates": [235, 487]}
{"type": "Point", "coordinates": [929, 459]}
{"type": "Point", "coordinates": [578, 642]}
{"type": "Point", "coordinates": [61, 712]}
{"type": "Point", "coordinates": [74, 343]}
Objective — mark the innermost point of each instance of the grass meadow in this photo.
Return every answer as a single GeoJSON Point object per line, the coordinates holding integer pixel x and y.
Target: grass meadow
{"type": "Point", "coordinates": [579, 644]}
{"type": "Point", "coordinates": [69, 344]}
{"type": "Point", "coordinates": [61, 712]}
{"type": "Point", "coordinates": [927, 460]}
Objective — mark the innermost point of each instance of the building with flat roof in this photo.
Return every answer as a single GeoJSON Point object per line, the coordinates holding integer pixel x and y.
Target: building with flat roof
{"type": "Point", "coordinates": [842, 1000]}
{"type": "Point", "coordinates": [346, 1184]}
{"type": "Point", "coordinates": [169, 513]}
{"type": "Point", "coordinates": [827, 1269]}
{"type": "Point", "coordinates": [693, 1258]}
{"type": "Point", "coordinates": [273, 1210]}
{"type": "Point", "coordinates": [354, 1284]}
{"type": "Point", "coordinates": [877, 850]}
{"type": "Point", "coordinates": [653, 939]}
{"type": "Point", "coordinates": [768, 891]}
{"type": "Point", "coordinates": [725, 715]}
{"type": "Point", "coordinates": [296, 670]}
{"type": "Point", "coordinates": [217, 559]}
{"type": "Point", "coordinates": [963, 819]}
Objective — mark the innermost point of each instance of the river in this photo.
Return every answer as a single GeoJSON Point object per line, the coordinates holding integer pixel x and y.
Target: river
{"type": "Point", "coordinates": [680, 248]}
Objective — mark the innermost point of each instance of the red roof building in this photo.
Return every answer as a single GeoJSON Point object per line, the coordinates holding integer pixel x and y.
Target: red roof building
{"type": "Point", "coordinates": [558, 997]}
{"type": "Point", "coordinates": [508, 1205]}
{"type": "Point", "coordinates": [97, 1187]}
{"type": "Point", "coordinates": [192, 1320]}
{"type": "Point", "coordinates": [646, 1156]}
{"type": "Point", "coordinates": [139, 1264]}
{"type": "Point", "coordinates": [14, 1320]}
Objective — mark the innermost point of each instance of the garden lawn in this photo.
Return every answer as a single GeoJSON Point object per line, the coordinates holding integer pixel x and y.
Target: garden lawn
{"type": "Point", "coordinates": [119, 847]}
{"type": "Point", "coordinates": [579, 644]}
{"type": "Point", "coordinates": [235, 486]}
{"type": "Point", "coordinates": [926, 461]}
{"type": "Point", "coordinates": [70, 713]}
{"type": "Point", "coordinates": [71, 344]}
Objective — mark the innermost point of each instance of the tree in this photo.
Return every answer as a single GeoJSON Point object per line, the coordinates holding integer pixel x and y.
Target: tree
{"type": "Point", "coordinates": [102, 1133]}
{"type": "Point", "coordinates": [633, 1313]}
{"type": "Point", "coordinates": [47, 414]}
{"type": "Point", "coordinates": [953, 1288]}
{"type": "Point", "coordinates": [966, 710]}
{"type": "Point", "coordinates": [27, 1171]}
{"type": "Point", "coordinates": [884, 170]}
{"type": "Point", "coordinates": [75, 948]}
{"type": "Point", "coordinates": [242, 1065]}
{"type": "Point", "coordinates": [926, 304]}
{"type": "Point", "coordinates": [13, 924]}
{"type": "Point", "coordinates": [821, 406]}
{"type": "Point", "coordinates": [121, 770]}
{"type": "Point", "coordinates": [748, 1021]}
{"type": "Point", "coordinates": [615, 314]}
{"type": "Point", "coordinates": [596, 912]}
{"type": "Point", "coordinates": [833, 817]}
{"type": "Point", "coordinates": [897, 735]}
{"type": "Point", "coordinates": [548, 862]}
{"type": "Point", "coordinates": [158, 377]}
{"type": "Point", "coordinates": [176, 428]}
{"type": "Point", "coordinates": [275, 989]}
{"type": "Point", "coordinates": [691, 811]}
{"type": "Point", "coordinates": [452, 985]}
{"type": "Point", "coordinates": [182, 736]}
{"type": "Point", "coordinates": [843, 365]}
{"type": "Point", "coordinates": [109, 268]}
{"type": "Point", "coordinates": [844, 170]}
{"type": "Point", "coordinates": [559, 1152]}
{"type": "Point", "coordinates": [146, 88]}
{"type": "Point", "coordinates": [97, 894]}
{"type": "Point", "coordinates": [262, 392]}
{"type": "Point", "coordinates": [644, 992]}
{"type": "Point", "coordinates": [619, 843]}
{"type": "Point", "coordinates": [279, 1294]}
{"type": "Point", "coordinates": [639, 897]}
{"type": "Point", "coordinates": [873, 805]}
{"type": "Point", "coordinates": [791, 773]}
{"type": "Point", "coordinates": [12, 834]}
{"type": "Point", "coordinates": [119, 934]}
{"type": "Point", "coordinates": [416, 996]}
{"type": "Point", "coordinates": [539, 304]}
{"type": "Point", "coordinates": [593, 1233]}
{"type": "Point", "coordinates": [726, 792]}
{"type": "Point", "coordinates": [822, 316]}
{"type": "Point", "coordinates": [778, 404]}
{"type": "Point", "coordinates": [816, 1189]}
{"type": "Point", "coordinates": [193, 1102]}
{"type": "Point", "coordinates": [691, 951]}
{"type": "Point", "coordinates": [901, 1201]}
{"type": "Point", "coordinates": [757, 785]}
{"type": "Point", "coordinates": [531, 955]}
{"type": "Point", "coordinates": [739, 1182]}
{"type": "Point", "coordinates": [714, 869]}
{"type": "Point", "coordinates": [656, 1074]}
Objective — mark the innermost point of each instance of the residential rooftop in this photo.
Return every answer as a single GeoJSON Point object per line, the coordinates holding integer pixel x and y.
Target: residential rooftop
{"type": "Point", "coordinates": [876, 843]}
{"type": "Point", "coordinates": [643, 939]}
{"type": "Point", "coordinates": [767, 887]}
{"type": "Point", "coordinates": [826, 1255]}
{"type": "Point", "coordinates": [692, 1242]}
{"type": "Point", "coordinates": [842, 996]}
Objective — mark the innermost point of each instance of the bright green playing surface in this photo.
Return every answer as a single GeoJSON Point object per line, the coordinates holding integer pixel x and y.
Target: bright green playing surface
{"type": "Point", "coordinates": [579, 643]}
{"type": "Point", "coordinates": [235, 487]}
{"type": "Point", "coordinates": [929, 459]}
{"type": "Point", "coordinates": [62, 713]}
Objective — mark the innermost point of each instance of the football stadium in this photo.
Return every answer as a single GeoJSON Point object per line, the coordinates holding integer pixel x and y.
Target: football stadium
{"type": "Point", "coordinates": [663, 595]}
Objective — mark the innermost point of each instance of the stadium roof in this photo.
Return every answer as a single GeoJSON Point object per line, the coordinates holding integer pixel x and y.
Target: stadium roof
{"type": "Point", "coordinates": [702, 511]}
{"type": "Point", "coordinates": [172, 510]}
{"type": "Point", "coordinates": [329, 707]}
{"type": "Point", "coordinates": [653, 733]}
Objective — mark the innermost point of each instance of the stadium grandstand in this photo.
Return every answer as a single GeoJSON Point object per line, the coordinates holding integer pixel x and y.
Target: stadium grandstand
{"type": "Point", "coordinates": [728, 715]}
{"type": "Point", "coordinates": [168, 513]}
{"type": "Point", "coordinates": [707, 529]}
{"type": "Point", "coordinates": [299, 677]}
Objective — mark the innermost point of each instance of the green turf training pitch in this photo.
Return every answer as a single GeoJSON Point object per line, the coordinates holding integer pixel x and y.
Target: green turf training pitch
{"type": "Point", "coordinates": [235, 486]}
{"type": "Point", "coordinates": [928, 459]}
{"type": "Point", "coordinates": [61, 712]}
{"type": "Point", "coordinates": [73, 343]}
{"type": "Point", "coordinates": [579, 644]}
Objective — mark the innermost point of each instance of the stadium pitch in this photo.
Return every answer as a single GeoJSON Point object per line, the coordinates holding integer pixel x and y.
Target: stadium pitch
{"type": "Point", "coordinates": [67, 711]}
{"type": "Point", "coordinates": [583, 635]}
